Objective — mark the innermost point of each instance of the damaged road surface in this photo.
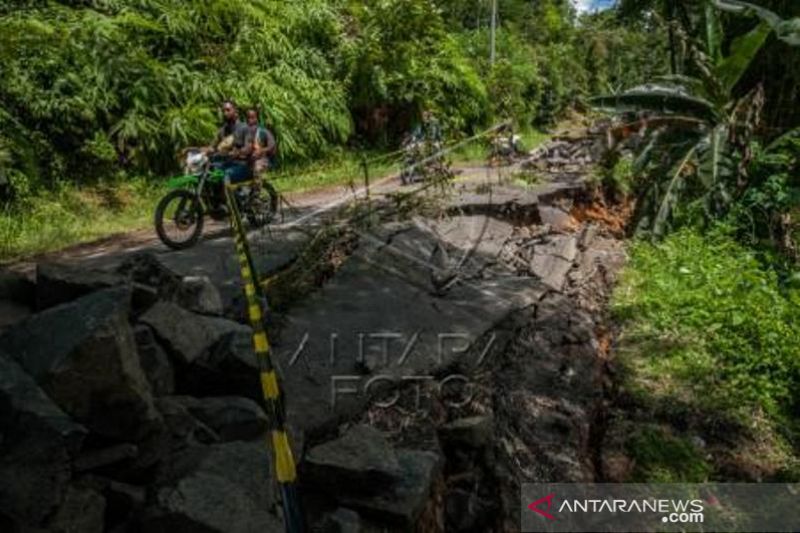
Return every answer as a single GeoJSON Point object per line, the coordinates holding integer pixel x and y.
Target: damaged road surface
{"type": "Point", "coordinates": [437, 348]}
{"type": "Point", "coordinates": [469, 333]}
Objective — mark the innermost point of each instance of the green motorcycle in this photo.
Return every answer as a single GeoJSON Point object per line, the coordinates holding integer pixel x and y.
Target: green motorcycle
{"type": "Point", "coordinates": [200, 192]}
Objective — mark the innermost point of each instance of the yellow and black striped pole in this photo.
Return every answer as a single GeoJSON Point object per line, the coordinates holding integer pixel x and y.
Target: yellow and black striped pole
{"type": "Point", "coordinates": [284, 465]}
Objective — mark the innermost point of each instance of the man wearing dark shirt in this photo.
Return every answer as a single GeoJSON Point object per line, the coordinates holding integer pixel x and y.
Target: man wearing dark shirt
{"type": "Point", "coordinates": [232, 144]}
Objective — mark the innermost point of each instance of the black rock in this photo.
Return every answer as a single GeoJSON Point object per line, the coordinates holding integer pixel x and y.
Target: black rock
{"type": "Point", "coordinates": [82, 511]}
{"type": "Point", "coordinates": [124, 501]}
{"type": "Point", "coordinates": [361, 460]}
{"type": "Point", "coordinates": [403, 500]}
{"type": "Point", "coordinates": [94, 459]}
{"type": "Point", "coordinates": [61, 283]}
{"type": "Point", "coordinates": [340, 520]}
{"type": "Point", "coordinates": [228, 368]}
{"type": "Point", "coordinates": [187, 336]}
{"type": "Point", "coordinates": [38, 439]}
{"type": "Point", "coordinates": [475, 431]}
{"type": "Point", "coordinates": [464, 511]}
{"type": "Point", "coordinates": [84, 357]}
{"type": "Point", "coordinates": [17, 288]}
{"type": "Point", "coordinates": [145, 269]}
{"type": "Point", "coordinates": [198, 294]}
{"type": "Point", "coordinates": [231, 417]}
{"type": "Point", "coordinates": [183, 429]}
{"type": "Point", "coordinates": [153, 281]}
{"type": "Point", "coordinates": [223, 488]}
{"type": "Point", "coordinates": [155, 363]}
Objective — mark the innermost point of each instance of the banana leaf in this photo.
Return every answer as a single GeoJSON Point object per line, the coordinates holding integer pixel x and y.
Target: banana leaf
{"type": "Point", "coordinates": [783, 140]}
{"type": "Point", "coordinates": [656, 99]}
{"type": "Point", "coordinates": [713, 33]}
{"type": "Point", "coordinates": [714, 158]}
{"type": "Point", "coordinates": [786, 30]}
{"type": "Point", "coordinates": [670, 197]}
{"type": "Point", "coordinates": [743, 50]}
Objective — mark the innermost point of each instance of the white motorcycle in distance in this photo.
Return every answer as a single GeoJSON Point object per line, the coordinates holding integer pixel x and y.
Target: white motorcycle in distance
{"type": "Point", "coordinates": [505, 148]}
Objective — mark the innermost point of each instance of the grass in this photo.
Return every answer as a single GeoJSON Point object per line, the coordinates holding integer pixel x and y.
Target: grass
{"type": "Point", "coordinates": [69, 215]}
{"type": "Point", "coordinates": [532, 138]}
{"type": "Point", "coordinates": [337, 169]}
{"type": "Point", "coordinates": [526, 178]}
{"type": "Point", "coordinates": [709, 340]}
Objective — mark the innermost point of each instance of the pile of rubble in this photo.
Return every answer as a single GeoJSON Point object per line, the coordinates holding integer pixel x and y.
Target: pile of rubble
{"type": "Point", "coordinates": [129, 403]}
{"type": "Point", "coordinates": [569, 155]}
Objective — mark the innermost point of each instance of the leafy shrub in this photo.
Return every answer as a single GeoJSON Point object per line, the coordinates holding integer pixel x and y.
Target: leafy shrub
{"type": "Point", "coordinates": [616, 174]}
{"type": "Point", "coordinates": [705, 323]}
{"type": "Point", "coordinates": [515, 84]}
{"type": "Point", "coordinates": [401, 60]}
{"type": "Point", "coordinates": [131, 82]}
{"type": "Point", "coordinates": [768, 211]}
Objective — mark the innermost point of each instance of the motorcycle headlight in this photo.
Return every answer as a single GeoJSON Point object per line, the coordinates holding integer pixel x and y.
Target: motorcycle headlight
{"type": "Point", "coordinates": [194, 161]}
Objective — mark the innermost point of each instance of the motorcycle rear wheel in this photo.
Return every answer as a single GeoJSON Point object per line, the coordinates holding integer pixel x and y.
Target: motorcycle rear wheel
{"type": "Point", "coordinates": [263, 207]}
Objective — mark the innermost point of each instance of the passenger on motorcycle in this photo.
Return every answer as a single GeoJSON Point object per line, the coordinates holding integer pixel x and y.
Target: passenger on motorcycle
{"type": "Point", "coordinates": [231, 145]}
{"type": "Point", "coordinates": [262, 144]}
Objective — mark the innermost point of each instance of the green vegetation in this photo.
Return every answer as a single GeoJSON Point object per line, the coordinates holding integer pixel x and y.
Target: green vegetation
{"type": "Point", "coordinates": [709, 335]}
{"type": "Point", "coordinates": [477, 152]}
{"type": "Point", "coordinates": [616, 176]}
{"type": "Point", "coordinates": [336, 169]}
{"type": "Point", "coordinates": [767, 212]}
{"type": "Point", "coordinates": [98, 96]}
{"type": "Point", "coordinates": [94, 88]}
{"type": "Point", "coordinates": [107, 91]}
{"type": "Point", "coordinates": [709, 303]}
{"type": "Point", "coordinates": [695, 138]}
{"type": "Point", "coordinates": [718, 330]}
{"type": "Point", "coordinates": [68, 215]}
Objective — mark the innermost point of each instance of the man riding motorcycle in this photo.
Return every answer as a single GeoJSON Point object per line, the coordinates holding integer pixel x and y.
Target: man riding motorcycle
{"type": "Point", "coordinates": [232, 146]}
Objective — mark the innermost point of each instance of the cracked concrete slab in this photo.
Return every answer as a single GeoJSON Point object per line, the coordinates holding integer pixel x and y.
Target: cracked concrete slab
{"type": "Point", "coordinates": [553, 259]}
{"type": "Point", "coordinates": [386, 322]}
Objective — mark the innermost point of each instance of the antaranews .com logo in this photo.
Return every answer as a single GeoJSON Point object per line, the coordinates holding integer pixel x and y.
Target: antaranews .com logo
{"type": "Point", "coordinates": [720, 507]}
{"type": "Point", "coordinates": [675, 511]}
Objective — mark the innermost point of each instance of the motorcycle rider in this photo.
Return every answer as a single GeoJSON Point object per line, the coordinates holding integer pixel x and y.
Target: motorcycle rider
{"type": "Point", "coordinates": [424, 142]}
{"type": "Point", "coordinates": [232, 144]}
{"type": "Point", "coordinates": [429, 130]}
{"type": "Point", "coordinates": [262, 143]}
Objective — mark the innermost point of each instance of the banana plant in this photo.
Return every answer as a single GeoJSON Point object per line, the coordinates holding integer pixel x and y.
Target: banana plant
{"type": "Point", "coordinates": [785, 30]}
{"type": "Point", "coordinates": [691, 134]}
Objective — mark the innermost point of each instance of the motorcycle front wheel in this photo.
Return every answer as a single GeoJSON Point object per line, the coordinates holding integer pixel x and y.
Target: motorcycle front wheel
{"type": "Point", "coordinates": [179, 219]}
